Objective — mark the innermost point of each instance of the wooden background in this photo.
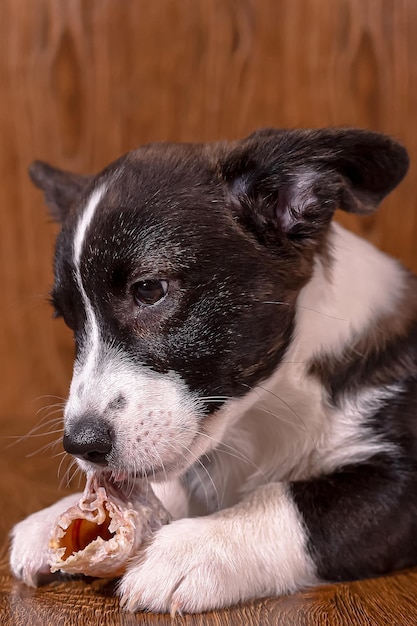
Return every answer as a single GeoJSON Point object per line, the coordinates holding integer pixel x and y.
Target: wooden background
{"type": "Point", "coordinates": [82, 81]}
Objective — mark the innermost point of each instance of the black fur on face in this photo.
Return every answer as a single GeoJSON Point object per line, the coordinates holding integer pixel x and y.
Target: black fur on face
{"type": "Point", "coordinates": [220, 279]}
{"type": "Point", "coordinates": [231, 228]}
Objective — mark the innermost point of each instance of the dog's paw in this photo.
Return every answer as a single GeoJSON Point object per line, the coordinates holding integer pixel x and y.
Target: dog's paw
{"type": "Point", "coordinates": [29, 552]}
{"type": "Point", "coordinates": [188, 567]}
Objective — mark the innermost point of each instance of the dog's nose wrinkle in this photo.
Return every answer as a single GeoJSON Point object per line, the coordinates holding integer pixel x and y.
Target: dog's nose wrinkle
{"type": "Point", "coordinates": [90, 440]}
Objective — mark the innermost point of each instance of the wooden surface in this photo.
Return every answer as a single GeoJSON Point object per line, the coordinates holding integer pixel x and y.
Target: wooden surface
{"type": "Point", "coordinates": [83, 81]}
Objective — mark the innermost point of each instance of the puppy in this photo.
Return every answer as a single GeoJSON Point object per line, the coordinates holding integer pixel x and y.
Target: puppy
{"type": "Point", "coordinates": [254, 360]}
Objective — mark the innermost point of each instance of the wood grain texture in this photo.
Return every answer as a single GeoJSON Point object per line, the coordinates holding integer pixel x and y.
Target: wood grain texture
{"type": "Point", "coordinates": [82, 82]}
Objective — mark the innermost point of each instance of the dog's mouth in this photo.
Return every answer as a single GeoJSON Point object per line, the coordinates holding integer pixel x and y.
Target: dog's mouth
{"type": "Point", "coordinates": [117, 478]}
{"type": "Point", "coordinates": [123, 480]}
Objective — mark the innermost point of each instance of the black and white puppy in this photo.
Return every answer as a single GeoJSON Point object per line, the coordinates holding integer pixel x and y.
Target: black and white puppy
{"type": "Point", "coordinates": [253, 359]}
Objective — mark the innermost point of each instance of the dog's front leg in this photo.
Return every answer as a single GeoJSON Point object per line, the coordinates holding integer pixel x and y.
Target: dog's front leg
{"type": "Point", "coordinates": [354, 523]}
{"type": "Point", "coordinates": [255, 548]}
{"type": "Point", "coordinates": [29, 552]}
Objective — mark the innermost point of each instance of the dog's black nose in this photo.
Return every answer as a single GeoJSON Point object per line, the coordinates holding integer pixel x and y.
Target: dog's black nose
{"type": "Point", "coordinates": [89, 439]}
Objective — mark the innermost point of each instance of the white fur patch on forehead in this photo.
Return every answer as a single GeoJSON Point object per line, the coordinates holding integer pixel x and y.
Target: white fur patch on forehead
{"type": "Point", "coordinates": [85, 222]}
{"type": "Point", "coordinates": [92, 332]}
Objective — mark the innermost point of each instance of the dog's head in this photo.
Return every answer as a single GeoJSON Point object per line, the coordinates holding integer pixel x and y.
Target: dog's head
{"type": "Point", "coordinates": [166, 267]}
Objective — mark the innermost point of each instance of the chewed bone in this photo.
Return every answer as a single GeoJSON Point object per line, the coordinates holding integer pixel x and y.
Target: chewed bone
{"type": "Point", "coordinates": [97, 535]}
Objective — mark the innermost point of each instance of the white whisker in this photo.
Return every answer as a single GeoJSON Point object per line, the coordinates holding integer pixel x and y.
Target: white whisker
{"type": "Point", "coordinates": [279, 417]}
{"type": "Point", "coordinates": [48, 446]}
{"type": "Point", "coordinates": [300, 306]}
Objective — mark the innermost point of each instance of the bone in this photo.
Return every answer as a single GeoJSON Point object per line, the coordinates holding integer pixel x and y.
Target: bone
{"type": "Point", "coordinates": [100, 533]}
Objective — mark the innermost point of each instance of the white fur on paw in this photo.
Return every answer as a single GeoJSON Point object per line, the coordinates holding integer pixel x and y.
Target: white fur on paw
{"type": "Point", "coordinates": [29, 552]}
{"type": "Point", "coordinates": [187, 568]}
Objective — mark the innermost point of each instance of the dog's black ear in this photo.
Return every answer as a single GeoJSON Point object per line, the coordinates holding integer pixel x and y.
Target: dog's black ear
{"type": "Point", "coordinates": [61, 188]}
{"type": "Point", "coordinates": [296, 179]}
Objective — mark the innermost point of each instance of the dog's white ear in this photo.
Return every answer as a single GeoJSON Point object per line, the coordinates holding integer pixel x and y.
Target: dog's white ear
{"type": "Point", "coordinates": [61, 189]}
{"type": "Point", "coordinates": [296, 179]}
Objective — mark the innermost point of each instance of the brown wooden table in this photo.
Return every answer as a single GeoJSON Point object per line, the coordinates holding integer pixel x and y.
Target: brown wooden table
{"type": "Point", "coordinates": [29, 483]}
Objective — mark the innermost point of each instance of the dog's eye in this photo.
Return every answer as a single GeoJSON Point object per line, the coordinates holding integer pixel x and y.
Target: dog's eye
{"type": "Point", "coordinates": [149, 292]}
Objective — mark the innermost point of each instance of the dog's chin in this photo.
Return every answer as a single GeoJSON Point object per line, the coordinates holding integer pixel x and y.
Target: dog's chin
{"type": "Point", "coordinates": [121, 475]}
